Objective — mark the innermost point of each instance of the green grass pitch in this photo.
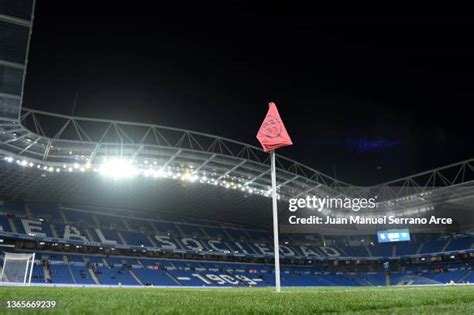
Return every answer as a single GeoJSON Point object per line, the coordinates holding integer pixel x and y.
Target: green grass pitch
{"type": "Point", "coordinates": [363, 300]}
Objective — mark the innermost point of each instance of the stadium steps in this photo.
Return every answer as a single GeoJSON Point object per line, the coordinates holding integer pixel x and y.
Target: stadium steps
{"type": "Point", "coordinates": [178, 227]}
{"type": "Point", "coordinates": [342, 251]}
{"type": "Point", "coordinates": [106, 263]}
{"type": "Point", "coordinates": [323, 281]}
{"type": "Point", "coordinates": [367, 249]}
{"type": "Point", "coordinates": [89, 234]}
{"type": "Point", "coordinates": [205, 233]}
{"type": "Point", "coordinates": [466, 275]}
{"type": "Point", "coordinates": [153, 227]}
{"type": "Point", "coordinates": [254, 249]}
{"type": "Point", "coordinates": [71, 273]}
{"type": "Point", "coordinates": [135, 277]}
{"type": "Point", "coordinates": [93, 275]}
{"type": "Point", "coordinates": [447, 244]}
{"type": "Point", "coordinates": [53, 230]}
{"type": "Point", "coordinates": [96, 220]}
{"type": "Point", "coordinates": [121, 238]}
{"type": "Point", "coordinates": [63, 216]}
{"type": "Point", "coordinates": [12, 225]}
{"type": "Point", "coordinates": [127, 227]}
{"type": "Point", "coordinates": [172, 278]}
{"type": "Point", "coordinates": [179, 243]}
{"type": "Point", "coordinates": [152, 242]}
{"type": "Point", "coordinates": [228, 236]}
{"type": "Point", "coordinates": [363, 281]}
{"type": "Point", "coordinates": [394, 251]}
{"type": "Point", "coordinates": [420, 248]}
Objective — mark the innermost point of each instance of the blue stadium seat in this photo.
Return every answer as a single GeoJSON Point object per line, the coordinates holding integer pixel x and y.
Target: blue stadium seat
{"type": "Point", "coordinates": [79, 217]}
{"type": "Point", "coordinates": [81, 275]}
{"type": "Point", "coordinates": [76, 258]}
{"type": "Point", "coordinates": [50, 213]}
{"type": "Point", "coordinates": [381, 250]}
{"type": "Point", "coordinates": [136, 239]}
{"type": "Point", "coordinates": [215, 233]}
{"type": "Point", "coordinates": [433, 246]}
{"type": "Point", "coordinates": [259, 236]}
{"type": "Point", "coordinates": [120, 261]}
{"type": "Point", "coordinates": [109, 235]}
{"type": "Point", "coordinates": [4, 223]}
{"type": "Point", "coordinates": [406, 248]}
{"type": "Point", "coordinates": [114, 276]}
{"type": "Point", "coordinates": [94, 259]}
{"type": "Point", "coordinates": [355, 251]}
{"type": "Point", "coordinates": [60, 273]}
{"type": "Point", "coordinates": [238, 234]}
{"type": "Point", "coordinates": [192, 230]}
{"type": "Point", "coordinates": [38, 274]}
{"type": "Point", "coordinates": [154, 277]}
{"type": "Point", "coordinates": [460, 243]}
{"type": "Point", "coordinates": [165, 228]}
{"type": "Point", "coordinates": [376, 278]}
{"type": "Point", "coordinates": [110, 221]}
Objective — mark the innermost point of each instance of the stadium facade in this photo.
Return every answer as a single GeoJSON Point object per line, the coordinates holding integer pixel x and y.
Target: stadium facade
{"type": "Point", "coordinates": [194, 209]}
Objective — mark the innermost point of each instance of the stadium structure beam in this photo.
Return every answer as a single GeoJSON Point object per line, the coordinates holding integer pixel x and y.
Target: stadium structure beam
{"type": "Point", "coordinates": [15, 20]}
{"type": "Point", "coordinates": [205, 162]}
{"type": "Point", "coordinates": [232, 169]}
{"type": "Point", "coordinates": [307, 191]}
{"type": "Point", "coordinates": [257, 177]}
{"type": "Point", "coordinates": [172, 158]}
{"type": "Point", "coordinates": [441, 177]}
{"type": "Point", "coordinates": [11, 65]}
{"type": "Point", "coordinates": [287, 181]}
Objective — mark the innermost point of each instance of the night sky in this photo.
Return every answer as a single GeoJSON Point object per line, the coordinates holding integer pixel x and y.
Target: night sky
{"type": "Point", "coordinates": [365, 99]}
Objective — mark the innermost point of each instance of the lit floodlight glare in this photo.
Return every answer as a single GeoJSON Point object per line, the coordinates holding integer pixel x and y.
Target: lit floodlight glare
{"type": "Point", "coordinates": [187, 177]}
{"type": "Point", "coordinates": [118, 169]}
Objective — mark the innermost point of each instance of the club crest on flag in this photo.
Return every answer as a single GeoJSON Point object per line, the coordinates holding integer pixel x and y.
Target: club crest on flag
{"type": "Point", "coordinates": [272, 133]}
{"type": "Point", "coordinates": [271, 127]}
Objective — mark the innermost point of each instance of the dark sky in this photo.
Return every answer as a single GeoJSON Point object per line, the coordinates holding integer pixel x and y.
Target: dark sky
{"type": "Point", "coordinates": [369, 99]}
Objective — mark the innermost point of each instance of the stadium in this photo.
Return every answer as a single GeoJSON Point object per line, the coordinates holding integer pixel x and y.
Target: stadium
{"type": "Point", "coordinates": [101, 215]}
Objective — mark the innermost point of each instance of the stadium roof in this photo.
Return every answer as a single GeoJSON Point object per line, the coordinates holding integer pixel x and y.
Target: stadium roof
{"type": "Point", "coordinates": [57, 158]}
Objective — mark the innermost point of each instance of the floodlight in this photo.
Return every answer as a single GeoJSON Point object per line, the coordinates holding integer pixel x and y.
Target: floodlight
{"type": "Point", "coordinates": [118, 169]}
{"type": "Point", "coordinates": [186, 177]}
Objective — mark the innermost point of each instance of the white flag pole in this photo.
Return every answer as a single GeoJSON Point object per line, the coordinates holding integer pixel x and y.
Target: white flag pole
{"type": "Point", "coordinates": [276, 244]}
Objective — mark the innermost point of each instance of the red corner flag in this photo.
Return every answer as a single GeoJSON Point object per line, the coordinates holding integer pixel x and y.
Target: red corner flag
{"type": "Point", "coordinates": [272, 134]}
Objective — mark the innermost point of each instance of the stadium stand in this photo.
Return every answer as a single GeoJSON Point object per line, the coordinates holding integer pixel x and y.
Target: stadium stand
{"type": "Point", "coordinates": [309, 261]}
{"type": "Point", "coordinates": [162, 272]}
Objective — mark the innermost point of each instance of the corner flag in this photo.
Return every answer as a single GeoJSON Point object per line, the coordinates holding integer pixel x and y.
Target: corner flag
{"type": "Point", "coordinates": [273, 135]}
